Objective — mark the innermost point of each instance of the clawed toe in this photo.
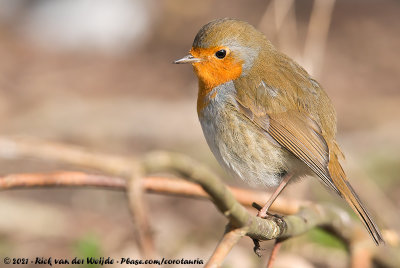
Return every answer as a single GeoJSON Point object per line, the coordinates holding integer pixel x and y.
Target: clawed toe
{"type": "Point", "coordinates": [257, 248]}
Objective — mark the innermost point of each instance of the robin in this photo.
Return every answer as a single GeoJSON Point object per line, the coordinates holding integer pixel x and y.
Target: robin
{"type": "Point", "coordinates": [264, 118]}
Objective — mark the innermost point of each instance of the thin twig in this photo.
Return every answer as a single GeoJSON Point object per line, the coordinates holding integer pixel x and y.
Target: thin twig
{"type": "Point", "coordinates": [230, 238]}
{"type": "Point", "coordinates": [160, 185]}
{"type": "Point", "coordinates": [274, 253]}
{"type": "Point", "coordinates": [60, 179]}
{"type": "Point", "coordinates": [317, 35]}
{"type": "Point", "coordinates": [139, 210]}
{"type": "Point", "coordinates": [114, 165]}
{"type": "Point", "coordinates": [281, 14]}
{"type": "Point", "coordinates": [51, 151]}
{"type": "Point", "coordinates": [361, 254]}
{"type": "Point", "coordinates": [280, 25]}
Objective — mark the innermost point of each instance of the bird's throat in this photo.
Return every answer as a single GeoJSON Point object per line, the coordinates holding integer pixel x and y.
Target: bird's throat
{"type": "Point", "coordinates": [205, 95]}
{"type": "Point", "coordinates": [211, 75]}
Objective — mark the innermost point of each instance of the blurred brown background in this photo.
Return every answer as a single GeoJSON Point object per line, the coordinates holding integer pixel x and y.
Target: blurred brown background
{"type": "Point", "coordinates": [98, 74]}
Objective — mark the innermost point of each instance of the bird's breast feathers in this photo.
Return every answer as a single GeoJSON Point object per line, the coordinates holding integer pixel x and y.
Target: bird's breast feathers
{"type": "Point", "coordinates": [239, 145]}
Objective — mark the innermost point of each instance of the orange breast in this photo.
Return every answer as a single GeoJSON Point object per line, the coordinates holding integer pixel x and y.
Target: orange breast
{"type": "Point", "coordinates": [213, 72]}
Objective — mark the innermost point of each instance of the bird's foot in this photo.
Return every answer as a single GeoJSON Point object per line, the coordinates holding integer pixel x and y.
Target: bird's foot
{"type": "Point", "coordinates": [257, 248]}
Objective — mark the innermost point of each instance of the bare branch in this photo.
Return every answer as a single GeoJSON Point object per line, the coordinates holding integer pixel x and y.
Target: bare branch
{"type": "Point", "coordinates": [51, 151]}
{"type": "Point", "coordinates": [160, 185]}
{"type": "Point", "coordinates": [274, 253]}
{"type": "Point", "coordinates": [229, 240]}
{"type": "Point", "coordinates": [272, 228]}
{"type": "Point", "coordinates": [114, 165]}
{"type": "Point", "coordinates": [139, 210]}
{"type": "Point", "coordinates": [62, 178]}
{"type": "Point", "coordinates": [307, 216]}
{"type": "Point", "coordinates": [361, 255]}
{"type": "Point", "coordinates": [161, 162]}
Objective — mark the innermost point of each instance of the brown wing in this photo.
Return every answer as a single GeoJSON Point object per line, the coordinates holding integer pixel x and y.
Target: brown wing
{"type": "Point", "coordinates": [283, 100]}
{"type": "Point", "coordinates": [303, 137]}
{"type": "Point", "coordinates": [300, 135]}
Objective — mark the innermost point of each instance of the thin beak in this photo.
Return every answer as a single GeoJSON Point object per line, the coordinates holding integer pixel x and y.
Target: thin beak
{"type": "Point", "coordinates": [187, 59]}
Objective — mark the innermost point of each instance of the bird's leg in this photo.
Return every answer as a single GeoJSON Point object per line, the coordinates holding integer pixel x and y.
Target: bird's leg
{"type": "Point", "coordinates": [263, 212]}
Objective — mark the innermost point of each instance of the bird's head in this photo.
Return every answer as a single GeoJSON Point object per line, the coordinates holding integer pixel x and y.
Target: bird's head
{"type": "Point", "coordinates": [224, 50]}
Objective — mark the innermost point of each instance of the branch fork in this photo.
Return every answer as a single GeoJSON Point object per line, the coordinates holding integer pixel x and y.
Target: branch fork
{"type": "Point", "coordinates": [202, 183]}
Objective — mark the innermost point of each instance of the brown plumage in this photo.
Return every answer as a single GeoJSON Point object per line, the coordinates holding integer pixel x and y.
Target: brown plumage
{"type": "Point", "coordinates": [265, 119]}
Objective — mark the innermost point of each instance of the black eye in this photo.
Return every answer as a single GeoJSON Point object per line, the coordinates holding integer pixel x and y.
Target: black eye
{"type": "Point", "coordinates": [220, 54]}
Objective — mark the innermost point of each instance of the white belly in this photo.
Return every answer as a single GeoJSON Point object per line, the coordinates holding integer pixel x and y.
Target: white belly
{"type": "Point", "coordinates": [238, 145]}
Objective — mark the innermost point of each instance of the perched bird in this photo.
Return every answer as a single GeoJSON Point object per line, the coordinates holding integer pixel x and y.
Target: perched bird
{"type": "Point", "coordinates": [264, 118]}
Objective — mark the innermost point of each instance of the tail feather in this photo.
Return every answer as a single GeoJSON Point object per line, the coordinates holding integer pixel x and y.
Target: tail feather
{"type": "Point", "coordinates": [362, 212]}
{"type": "Point", "coordinates": [347, 192]}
